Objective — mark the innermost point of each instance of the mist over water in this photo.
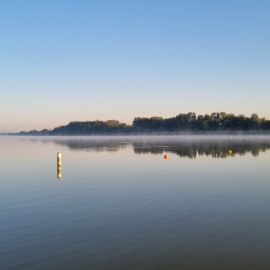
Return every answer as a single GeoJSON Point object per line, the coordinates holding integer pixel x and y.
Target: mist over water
{"type": "Point", "coordinates": [120, 205]}
{"type": "Point", "coordinates": [183, 146]}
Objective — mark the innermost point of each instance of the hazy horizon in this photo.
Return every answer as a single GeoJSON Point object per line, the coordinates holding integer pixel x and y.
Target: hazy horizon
{"type": "Point", "coordinates": [63, 124]}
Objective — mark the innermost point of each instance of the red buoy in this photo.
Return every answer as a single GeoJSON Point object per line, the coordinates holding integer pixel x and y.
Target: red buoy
{"type": "Point", "coordinates": [165, 156]}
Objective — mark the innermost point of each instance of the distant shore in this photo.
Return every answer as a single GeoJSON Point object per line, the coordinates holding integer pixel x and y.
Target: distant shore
{"type": "Point", "coordinates": [190, 123]}
{"type": "Point", "coordinates": [187, 133]}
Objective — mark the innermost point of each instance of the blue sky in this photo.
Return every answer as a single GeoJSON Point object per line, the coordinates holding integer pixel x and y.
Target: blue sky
{"type": "Point", "coordinates": [62, 61]}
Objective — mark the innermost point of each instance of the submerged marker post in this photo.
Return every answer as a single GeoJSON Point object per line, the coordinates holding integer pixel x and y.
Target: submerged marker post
{"type": "Point", "coordinates": [59, 165]}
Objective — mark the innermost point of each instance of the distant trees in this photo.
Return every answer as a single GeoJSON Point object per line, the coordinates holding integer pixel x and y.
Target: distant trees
{"type": "Point", "coordinates": [89, 127]}
{"type": "Point", "coordinates": [181, 122]}
{"type": "Point", "coordinates": [214, 122]}
{"type": "Point", "coordinates": [148, 124]}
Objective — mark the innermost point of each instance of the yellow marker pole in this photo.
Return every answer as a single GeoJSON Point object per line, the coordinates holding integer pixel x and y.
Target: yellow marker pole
{"type": "Point", "coordinates": [59, 165]}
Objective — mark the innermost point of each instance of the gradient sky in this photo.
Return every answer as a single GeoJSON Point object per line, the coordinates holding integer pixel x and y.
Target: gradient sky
{"type": "Point", "coordinates": [62, 61]}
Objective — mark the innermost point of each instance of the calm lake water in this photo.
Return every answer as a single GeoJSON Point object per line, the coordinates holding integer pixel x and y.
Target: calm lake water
{"type": "Point", "coordinates": [120, 205]}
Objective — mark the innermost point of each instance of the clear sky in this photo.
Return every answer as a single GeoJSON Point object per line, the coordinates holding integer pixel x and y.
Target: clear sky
{"type": "Point", "coordinates": [62, 61]}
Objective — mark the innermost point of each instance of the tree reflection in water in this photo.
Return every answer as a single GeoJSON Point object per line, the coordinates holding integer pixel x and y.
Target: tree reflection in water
{"type": "Point", "coordinates": [183, 146]}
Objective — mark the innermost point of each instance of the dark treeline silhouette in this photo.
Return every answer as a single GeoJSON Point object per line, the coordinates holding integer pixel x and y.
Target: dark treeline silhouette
{"type": "Point", "coordinates": [214, 122]}
{"type": "Point", "coordinates": [84, 128]}
{"type": "Point", "coordinates": [180, 123]}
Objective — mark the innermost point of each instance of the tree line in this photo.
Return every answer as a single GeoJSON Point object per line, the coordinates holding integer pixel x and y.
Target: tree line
{"type": "Point", "coordinates": [182, 122]}
{"type": "Point", "coordinates": [214, 122]}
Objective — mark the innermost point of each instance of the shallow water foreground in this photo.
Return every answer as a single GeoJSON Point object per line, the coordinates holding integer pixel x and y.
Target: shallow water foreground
{"type": "Point", "coordinates": [120, 205]}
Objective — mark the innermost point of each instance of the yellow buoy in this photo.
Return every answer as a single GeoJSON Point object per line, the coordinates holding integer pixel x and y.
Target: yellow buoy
{"type": "Point", "coordinates": [230, 152]}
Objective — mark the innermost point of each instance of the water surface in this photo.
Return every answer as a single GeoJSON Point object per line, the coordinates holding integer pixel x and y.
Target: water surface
{"type": "Point", "coordinates": [120, 205]}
